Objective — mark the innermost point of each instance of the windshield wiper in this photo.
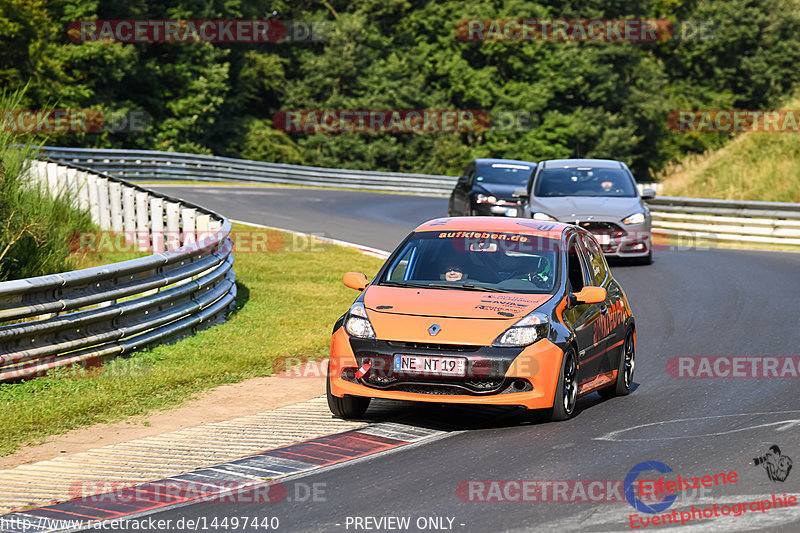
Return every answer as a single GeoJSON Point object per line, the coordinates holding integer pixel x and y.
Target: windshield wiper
{"type": "Point", "coordinates": [403, 284]}
{"type": "Point", "coordinates": [467, 286]}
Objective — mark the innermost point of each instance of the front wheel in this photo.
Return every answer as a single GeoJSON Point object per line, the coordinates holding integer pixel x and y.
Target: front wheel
{"type": "Point", "coordinates": [347, 407]}
{"type": "Point", "coordinates": [567, 390]}
{"type": "Point", "coordinates": [646, 260]}
{"type": "Point", "coordinates": [627, 362]}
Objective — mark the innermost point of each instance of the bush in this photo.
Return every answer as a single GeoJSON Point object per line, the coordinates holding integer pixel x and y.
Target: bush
{"type": "Point", "coordinates": [34, 226]}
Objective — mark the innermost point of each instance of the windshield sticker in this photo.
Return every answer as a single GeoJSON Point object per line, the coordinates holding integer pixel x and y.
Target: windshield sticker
{"type": "Point", "coordinates": [483, 235]}
{"type": "Point", "coordinates": [503, 304]}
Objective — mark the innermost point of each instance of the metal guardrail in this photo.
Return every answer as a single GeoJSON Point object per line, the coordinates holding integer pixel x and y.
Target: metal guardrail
{"type": "Point", "coordinates": [727, 221]}
{"type": "Point", "coordinates": [186, 285]}
{"type": "Point", "coordinates": [154, 165]}
{"type": "Point", "coordinates": [719, 221]}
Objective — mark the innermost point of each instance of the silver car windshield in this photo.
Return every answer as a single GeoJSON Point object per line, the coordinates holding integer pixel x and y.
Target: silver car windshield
{"type": "Point", "coordinates": [494, 262]}
{"type": "Point", "coordinates": [584, 182]}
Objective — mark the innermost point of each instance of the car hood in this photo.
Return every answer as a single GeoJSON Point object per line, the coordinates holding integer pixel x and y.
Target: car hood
{"type": "Point", "coordinates": [566, 207]}
{"type": "Point", "coordinates": [503, 191]}
{"type": "Point", "coordinates": [451, 303]}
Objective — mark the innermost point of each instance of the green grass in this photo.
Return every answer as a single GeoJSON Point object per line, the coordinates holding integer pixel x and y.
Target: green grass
{"type": "Point", "coordinates": [287, 304]}
{"type": "Point", "coordinates": [35, 227]}
{"type": "Point", "coordinates": [752, 166]}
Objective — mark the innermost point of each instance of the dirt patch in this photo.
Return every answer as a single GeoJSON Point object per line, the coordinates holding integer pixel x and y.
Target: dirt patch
{"type": "Point", "coordinates": [222, 403]}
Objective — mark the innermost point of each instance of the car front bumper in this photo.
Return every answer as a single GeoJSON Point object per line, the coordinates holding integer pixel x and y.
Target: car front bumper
{"type": "Point", "coordinates": [503, 208]}
{"type": "Point", "coordinates": [617, 239]}
{"type": "Point", "coordinates": [538, 365]}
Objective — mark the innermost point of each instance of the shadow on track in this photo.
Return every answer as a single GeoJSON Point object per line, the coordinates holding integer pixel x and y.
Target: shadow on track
{"type": "Point", "coordinates": [457, 417]}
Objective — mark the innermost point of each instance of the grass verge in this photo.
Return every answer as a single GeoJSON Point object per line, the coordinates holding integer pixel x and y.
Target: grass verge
{"type": "Point", "coordinates": [287, 304]}
{"type": "Point", "coordinates": [752, 166]}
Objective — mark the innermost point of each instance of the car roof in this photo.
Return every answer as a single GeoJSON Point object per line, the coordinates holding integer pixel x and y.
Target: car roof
{"type": "Point", "coordinates": [571, 163]}
{"type": "Point", "coordinates": [523, 226]}
{"type": "Point", "coordinates": [488, 161]}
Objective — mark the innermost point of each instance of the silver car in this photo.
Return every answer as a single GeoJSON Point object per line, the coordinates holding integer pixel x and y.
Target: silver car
{"type": "Point", "coordinates": [599, 195]}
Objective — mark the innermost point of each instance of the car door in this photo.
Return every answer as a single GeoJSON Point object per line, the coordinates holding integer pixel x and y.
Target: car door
{"type": "Point", "coordinates": [460, 194]}
{"type": "Point", "coordinates": [611, 327]}
{"type": "Point", "coordinates": [583, 319]}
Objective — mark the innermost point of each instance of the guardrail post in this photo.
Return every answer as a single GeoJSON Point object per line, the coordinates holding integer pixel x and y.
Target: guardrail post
{"type": "Point", "coordinates": [94, 198]}
{"type": "Point", "coordinates": [52, 179]}
{"type": "Point", "coordinates": [102, 202]}
{"type": "Point", "coordinates": [71, 186]}
{"type": "Point", "coordinates": [201, 226]}
{"type": "Point", "coordinates": [157, 224]}
{"type": "Point", "coordinates": [142, 222]}
{"type": "Point", "coordinates": [188, 224]}
{"type": "Point", "coordinates": [115, 201]}
{"type": "Point", "coordinates": [82, 183]}
{"type": "Point", "coordinates": [173, 226]}
{"type": "Point", "coordinates": [128, 215]}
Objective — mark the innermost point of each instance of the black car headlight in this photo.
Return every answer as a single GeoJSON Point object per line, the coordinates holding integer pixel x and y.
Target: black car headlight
{"type": "Point", "coordinates": [357, 324]}
{"type": "Point", "coordinates": [528, 330]}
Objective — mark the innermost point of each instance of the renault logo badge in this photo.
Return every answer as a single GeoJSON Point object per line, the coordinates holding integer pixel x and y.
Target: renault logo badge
{"type": "Point", "coordinates": [434, 329]}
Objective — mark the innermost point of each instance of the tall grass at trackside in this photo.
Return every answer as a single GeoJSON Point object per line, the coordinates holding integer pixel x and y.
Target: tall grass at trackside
{"type": "Point", "coordinates": [287, 303]}
{"type": "Point", "coordinates": [752, 166]}
{"type": "Point", "coordinates": [35, 227]}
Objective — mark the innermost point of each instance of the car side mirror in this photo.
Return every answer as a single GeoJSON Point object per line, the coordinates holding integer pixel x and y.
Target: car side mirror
{"type": "Point", "coordinates": [521, 194]}
{"type": "Point", "coordinates": [648, 194]}
{"type": "Point", "coordinates": [355, 280]}
{"type": "Point", "coordinates": [587, 295]}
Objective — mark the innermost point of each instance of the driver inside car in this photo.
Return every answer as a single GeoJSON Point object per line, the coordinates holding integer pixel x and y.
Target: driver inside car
{"type": "Point", "coordinates": [453, 273]}
{"type": "Point", "coordinates": [539, 275]}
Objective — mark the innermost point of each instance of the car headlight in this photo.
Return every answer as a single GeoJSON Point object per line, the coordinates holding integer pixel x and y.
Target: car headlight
{"type": "Point", "coordinates": [357, 324]}
{"type": "Point", "coordinates": [483, 199]}
{"type": "Point", "coordinates": [542, 216]}
{"type": "Point", "coordinates": [635, 218]}
{"type": "Point", "coordinates": [531, 328]}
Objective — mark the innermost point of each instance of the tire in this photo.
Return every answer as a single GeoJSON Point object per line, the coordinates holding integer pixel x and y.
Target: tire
{"type": "Point", "coordinates": [646, 260]}
{"type": "Point", "coordinates": [627, 363]}
{"type": "Point", "coordinates": [566, 396]}
{"type": "Point", "coordinates": [348, 407]}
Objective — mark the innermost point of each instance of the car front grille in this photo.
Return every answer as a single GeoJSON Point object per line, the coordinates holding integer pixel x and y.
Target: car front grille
{"type": "Point", "coordinates": [606, 228]}
{"type": "Point", "coordinates": [455, 387]}
{"type": "Point", "coordinates": [433, 347]}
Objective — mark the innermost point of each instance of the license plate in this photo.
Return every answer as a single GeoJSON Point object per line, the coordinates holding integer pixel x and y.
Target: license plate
{"type": "Point", "coordinates": [430, 365]}
{"type": "Point", "coordinates": [511, 212]}
{"type": "Point", "coordinates": [603, 238]}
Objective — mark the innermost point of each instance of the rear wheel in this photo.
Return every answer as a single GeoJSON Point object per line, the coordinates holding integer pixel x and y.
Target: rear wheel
{"type": "Point", "coordinates": [627, 362]}
{"type": "Point", "coordinates": [347, 407]}
{"type": "Point", "coordinates": [567, 390]}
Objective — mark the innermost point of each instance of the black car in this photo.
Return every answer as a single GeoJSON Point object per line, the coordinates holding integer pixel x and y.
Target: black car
{"type": "Point", "coordinates": [487, 187]}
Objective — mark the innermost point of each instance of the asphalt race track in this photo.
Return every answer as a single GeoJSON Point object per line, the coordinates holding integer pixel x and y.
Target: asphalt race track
{"type": "Point", "coordinates": [698, 302]}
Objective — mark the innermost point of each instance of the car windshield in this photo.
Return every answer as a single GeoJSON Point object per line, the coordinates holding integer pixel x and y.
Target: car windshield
{"type": "Point", "coordinates": [467, 260]}
{"type": "Point", "coordinates": [504, 173]}
{"type": "Point", "coordinates": [584, 182]}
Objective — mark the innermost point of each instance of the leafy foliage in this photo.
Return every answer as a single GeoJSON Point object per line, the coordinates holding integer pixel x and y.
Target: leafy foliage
{"type": "Point", "coordinates": [589, 98]}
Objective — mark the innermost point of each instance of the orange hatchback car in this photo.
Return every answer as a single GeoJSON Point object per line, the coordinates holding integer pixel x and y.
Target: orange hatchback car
{"type": "Point", "coordinates": [484, 310]}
